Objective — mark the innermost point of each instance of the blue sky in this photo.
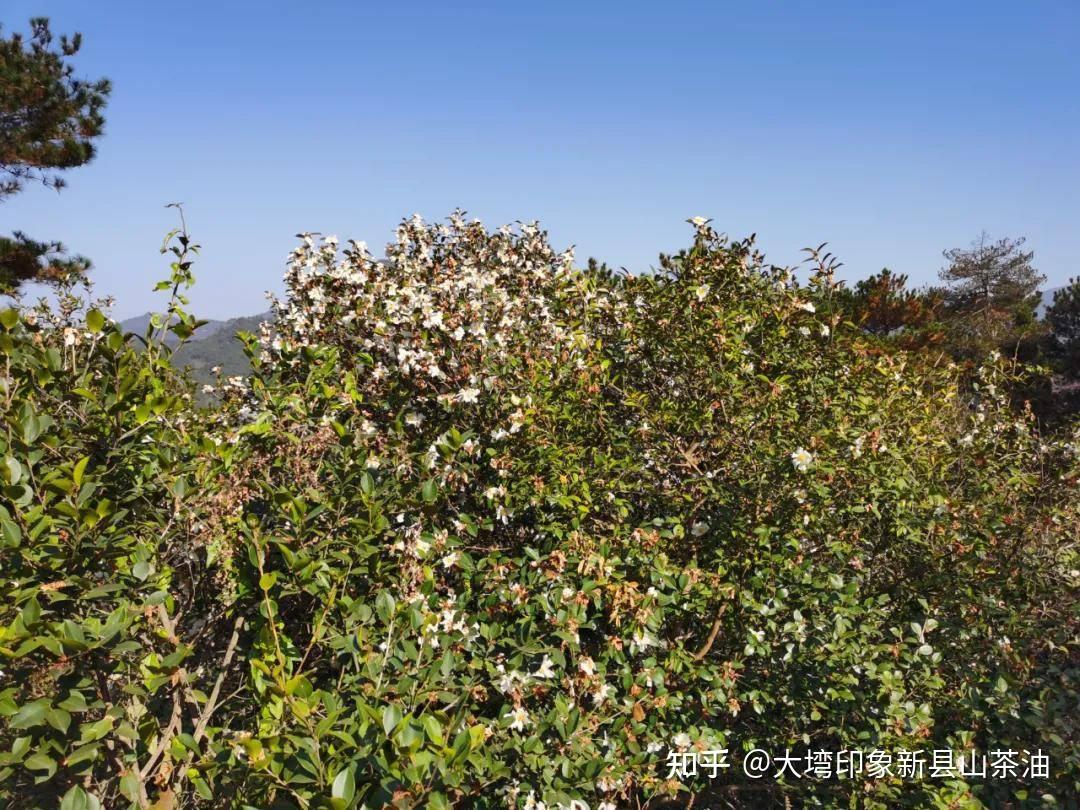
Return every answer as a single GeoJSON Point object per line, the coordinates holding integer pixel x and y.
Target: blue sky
{"type": "Point", "coordinates": [890, 130]}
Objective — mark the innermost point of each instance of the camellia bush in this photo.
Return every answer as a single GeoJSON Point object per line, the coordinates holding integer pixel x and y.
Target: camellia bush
{"type": "Point", "coordinates": [483, 528]}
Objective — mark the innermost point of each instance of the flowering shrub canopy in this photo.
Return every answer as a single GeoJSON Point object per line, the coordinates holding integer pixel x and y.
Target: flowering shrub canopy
{"type": "Point", "coordinates": [486, 529]}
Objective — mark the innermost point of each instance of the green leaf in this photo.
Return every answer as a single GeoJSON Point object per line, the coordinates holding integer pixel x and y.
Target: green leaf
{"type": "Point", "coordinates": [20, 747]}
{"type": "Point", "coordinates": [391, 716]}
{"type": "Point", "coordinates": [58, 719]}
{"type": "Point", "coordinates": [74, 702]}
{"type": "Point", "coordinates": [179, 487]}
{"type": "Point", "coordinates": [40, 762]}
{"type": "Point", "coordinates": [31, 714]}
{"type": "Point", "coordinates": [433, 729]}
{"type": "Point", "coordinates": [429, 491]}
{"type": "Point", "coordinates": [78, 799]}
{"type": "Point", "coordinates": [9, 317]}
{"type": "Point", "coordinates": [95, 321]}
{"type": "Point", "coordinates": [129, 787]}
{"type": "Point", "coordinates": [10, 533]}
{"type": "Point", "coordinates": [80, 468]}
{"type": "Point", "coordinates": [85, 753]}
{"type": "Point", "coordinates": [202, 787]}
{"type": "Point", "coordinates": [384, 605]}
{"type": "Point", "coordinates": [13, 470]}
{"type": "Point", "coordinates": [344, 786]}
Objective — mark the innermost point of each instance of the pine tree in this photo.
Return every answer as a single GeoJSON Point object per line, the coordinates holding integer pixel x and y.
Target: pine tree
{"type": "Point", "coordinates": [49, 121]}
{"type": "Point", "coordinates": [883, 303]}
{"type": "Point", "coordinates": [1063, 318]}
{"type": "Point", "coordinates": [992, 290]}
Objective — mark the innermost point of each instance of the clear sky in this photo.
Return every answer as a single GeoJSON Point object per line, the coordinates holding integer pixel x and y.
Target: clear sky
{"type": "Point", "coordinates": [890, 130]}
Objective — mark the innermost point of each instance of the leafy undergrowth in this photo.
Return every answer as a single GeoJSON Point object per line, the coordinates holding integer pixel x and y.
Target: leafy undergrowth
{"type": "Point", "coordinates": [486, 529]}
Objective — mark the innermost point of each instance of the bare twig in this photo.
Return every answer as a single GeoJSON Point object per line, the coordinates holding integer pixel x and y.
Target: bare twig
{"type": "Point", "coordinates": [713, 633]}
{"type": "Point", "coordinates": [211, 702]}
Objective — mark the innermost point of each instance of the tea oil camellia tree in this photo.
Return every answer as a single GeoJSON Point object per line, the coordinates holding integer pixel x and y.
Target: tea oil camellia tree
{"type": "Point", "coordinates": [99, 593]}
{"type": "Point", "coordinates": [486, 529]}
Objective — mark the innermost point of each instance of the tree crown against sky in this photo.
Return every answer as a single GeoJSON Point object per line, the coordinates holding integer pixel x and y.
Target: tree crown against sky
{"type": "Point", "coordinates": [991, 274]}
{"type": "Point", "coordinates": [49, 122]}
{"type": "Point", "coordinates": [1063, 319]}
{"type": "Point", "coordinates": [991, 295]}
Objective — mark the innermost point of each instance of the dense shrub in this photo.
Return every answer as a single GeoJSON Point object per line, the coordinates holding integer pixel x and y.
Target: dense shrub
{"type": "Point", "coordinates": [483, 528]}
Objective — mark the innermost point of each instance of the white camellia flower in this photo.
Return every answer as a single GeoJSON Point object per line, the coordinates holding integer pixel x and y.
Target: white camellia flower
{"type": "Point", "coordinates": [643, 640]}
{"type": "Point", "coordinates": [699, 222]}
{"type": "Point", "coordinates": [468, 395]}
{"type": "Point", "coordinates": [806, 306]}
{"type": "Point", "coordinates": [601, 694]}
{"type": "Point", "coordinates": [802, 459]}
{"type": "Point", "coordinates": [546, 669]}
{"type": "Point", "coordinates": [519, 718]}
{"type": "Point", "coordinates": [587, 666]}
{"type": "Point", "coordinates": [508, 680]}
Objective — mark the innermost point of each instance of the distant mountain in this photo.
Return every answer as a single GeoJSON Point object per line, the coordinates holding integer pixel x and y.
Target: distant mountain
{"type": "Point", "coordinates": [212, 327]}
{"type": "Point", "coordinates": [220, 347]}
{"type": "Point", "coordinates": [213, 344]}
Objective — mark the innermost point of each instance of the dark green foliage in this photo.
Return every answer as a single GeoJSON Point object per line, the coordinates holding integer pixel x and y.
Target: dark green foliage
{"type": "Point", "coordinates": [883, 305]}
{"type": "Point", "coordinates": [992, 290]}
{"type": "Point", "coordinates": [23, 259]}
{"type": "Point", "coordinates": [49, 120]}
{"type": "Point", "coordinates": [1063, 319]}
